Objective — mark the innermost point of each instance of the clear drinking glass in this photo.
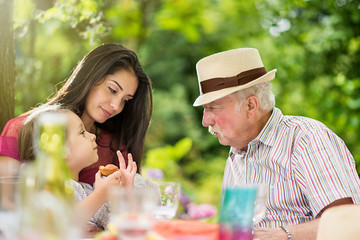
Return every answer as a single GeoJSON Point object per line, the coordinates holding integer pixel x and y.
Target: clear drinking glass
{"type": "Point", "coordinates": [131, 212]}
{"type": "Point", "coordinates": [9, 207]}
{"type": "Point", "coordinates": [45, 215]}
{"type": "Point", "coordinates": [170, 195]}
{"type": "Point", "coordinates": [260, 202]}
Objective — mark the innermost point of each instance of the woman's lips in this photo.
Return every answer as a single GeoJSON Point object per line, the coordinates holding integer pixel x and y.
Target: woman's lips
{"type": "Point", "coordinates": [106, 113]}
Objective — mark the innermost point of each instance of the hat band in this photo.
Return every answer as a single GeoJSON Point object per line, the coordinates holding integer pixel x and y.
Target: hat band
{"type": "Point", "coordinates": [242, 78]}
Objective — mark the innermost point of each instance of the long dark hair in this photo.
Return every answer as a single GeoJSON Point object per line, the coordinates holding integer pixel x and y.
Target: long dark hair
{"type": "Point", "coordinates": [128, 127]}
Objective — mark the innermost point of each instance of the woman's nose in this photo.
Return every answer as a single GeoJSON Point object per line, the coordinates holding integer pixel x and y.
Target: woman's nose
{"type": "Point", "coordinates": [116, 105]}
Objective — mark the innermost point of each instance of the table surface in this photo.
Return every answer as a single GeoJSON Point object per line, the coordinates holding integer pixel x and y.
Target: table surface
{"type": "Point", "coordinates": [182, 229]}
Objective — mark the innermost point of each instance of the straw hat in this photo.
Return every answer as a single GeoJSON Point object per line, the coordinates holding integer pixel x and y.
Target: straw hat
{"type": "Point", "coordinates": [226, 72]}
{"type": "Point", "coordinates": [340, 222]}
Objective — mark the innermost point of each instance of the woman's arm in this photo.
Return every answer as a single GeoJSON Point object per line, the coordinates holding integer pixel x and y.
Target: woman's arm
{"type": "Point", "coordinates": [9, 166]}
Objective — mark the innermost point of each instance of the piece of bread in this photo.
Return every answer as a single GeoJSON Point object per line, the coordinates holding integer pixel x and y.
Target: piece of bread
{"type": "Point", "coordinates": [108, 169]}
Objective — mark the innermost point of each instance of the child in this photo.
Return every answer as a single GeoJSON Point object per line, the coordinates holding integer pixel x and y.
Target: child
{"type": "Point", "coordinates": [82, 152]}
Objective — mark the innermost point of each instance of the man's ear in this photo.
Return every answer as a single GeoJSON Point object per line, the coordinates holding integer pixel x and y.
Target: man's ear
{"type": "Point", "coordinates": [252, 106]}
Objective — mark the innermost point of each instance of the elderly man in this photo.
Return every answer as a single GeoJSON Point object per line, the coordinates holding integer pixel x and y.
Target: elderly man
{"type": "Point", "coordinates": [307, 167]}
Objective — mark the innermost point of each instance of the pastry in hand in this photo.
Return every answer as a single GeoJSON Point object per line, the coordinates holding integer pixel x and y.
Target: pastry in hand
{"type": "Point", "coordinates": [108, 169]}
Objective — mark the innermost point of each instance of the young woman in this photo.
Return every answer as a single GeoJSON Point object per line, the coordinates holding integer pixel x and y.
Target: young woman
{"type": "Point", "coordinates": [112, 95]}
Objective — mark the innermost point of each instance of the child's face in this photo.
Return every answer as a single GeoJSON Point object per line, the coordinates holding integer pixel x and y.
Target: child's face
{"type": "Point", "coordinates": [81, 144]}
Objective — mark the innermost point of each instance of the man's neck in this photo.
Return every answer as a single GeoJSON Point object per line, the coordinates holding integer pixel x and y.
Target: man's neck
{"type": "Point", "coordinates": [262, 118]}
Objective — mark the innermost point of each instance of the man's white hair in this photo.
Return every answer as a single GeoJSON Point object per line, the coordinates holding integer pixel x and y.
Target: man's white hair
{"type": "Point", "coordinates": [262, 91]}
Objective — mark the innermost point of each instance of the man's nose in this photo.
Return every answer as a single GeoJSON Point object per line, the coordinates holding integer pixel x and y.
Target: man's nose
{"type": "Point", "coordinates": [207, 119]}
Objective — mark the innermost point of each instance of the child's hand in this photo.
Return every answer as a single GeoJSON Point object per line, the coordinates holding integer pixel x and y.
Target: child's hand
{"type": "Point", "coordinates": [127, 174]}
{"type": "Point", "coordinates": [102, 184]}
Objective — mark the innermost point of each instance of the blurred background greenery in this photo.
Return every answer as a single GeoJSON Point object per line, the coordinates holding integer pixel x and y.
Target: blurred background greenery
{"type": "Point", "coordinates": [315, 45]}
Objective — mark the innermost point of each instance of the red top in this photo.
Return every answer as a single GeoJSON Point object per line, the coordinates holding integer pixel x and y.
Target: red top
{"type": "Point", "coordinates": [8, 147]}
{"type": "Point", "coordinates": [9, 137]}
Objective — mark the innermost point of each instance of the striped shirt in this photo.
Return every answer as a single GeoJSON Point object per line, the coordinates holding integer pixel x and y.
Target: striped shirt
{"type": "Point", "coordinates": [305, 165]}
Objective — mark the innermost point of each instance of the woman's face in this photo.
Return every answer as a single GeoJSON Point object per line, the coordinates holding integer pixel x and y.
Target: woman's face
{"type": "Point", "coordinates": [108, 98]}
{"type": "Point", "coordinates": [81, 145]}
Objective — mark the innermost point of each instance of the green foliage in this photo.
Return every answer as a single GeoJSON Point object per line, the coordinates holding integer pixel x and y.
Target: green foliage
{"type": "Point", "coordinates": [199, 178]}
{"type": "Point", "coordinates": [173, 14]}
{"type": "Point", "coordinates": [167, 158]}
{"type": "Point", "coordinates": [314, 45]}
{"type": "Point", "coordinates": [327, 42]}
{"type": "Point", "coordinates": [84, 16]}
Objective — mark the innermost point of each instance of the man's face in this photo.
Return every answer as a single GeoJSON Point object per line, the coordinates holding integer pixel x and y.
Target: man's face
{"type": "Point", "coordinates": [228, 124]}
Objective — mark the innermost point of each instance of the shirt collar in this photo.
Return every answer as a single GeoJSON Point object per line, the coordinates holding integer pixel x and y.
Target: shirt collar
{"type": "Point", "coordinates": [266, 136]}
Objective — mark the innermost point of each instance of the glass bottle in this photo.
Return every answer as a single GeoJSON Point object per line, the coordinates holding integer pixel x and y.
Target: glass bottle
{"type": "Point", "coordinates": [48, 195]}
{"type": "Point", "coordinates": [53, 173]}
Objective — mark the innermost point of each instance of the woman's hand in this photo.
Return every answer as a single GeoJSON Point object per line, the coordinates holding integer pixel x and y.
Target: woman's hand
{"type": "Point", "coordinates": [127, 173]}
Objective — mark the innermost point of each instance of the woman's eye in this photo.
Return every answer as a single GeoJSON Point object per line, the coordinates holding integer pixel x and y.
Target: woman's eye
{"type": "Point", "coordinates": [82, 132]}
{"type": "Point", "coordinates": [112, 90]}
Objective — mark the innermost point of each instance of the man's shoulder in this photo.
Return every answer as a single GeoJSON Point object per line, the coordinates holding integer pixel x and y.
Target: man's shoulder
{"type": "Point", "coordinates": [280, 123]}
{"type": "Point", "coordinates": [301, 123]}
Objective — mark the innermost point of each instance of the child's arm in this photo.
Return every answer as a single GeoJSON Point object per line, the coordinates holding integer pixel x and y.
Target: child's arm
{"type": "Point", "coordinates": [127, 173]}
{"type": "Point", "coordinates": [92, 203]}
{"type": "Point", "coordinates": [124, 177]}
